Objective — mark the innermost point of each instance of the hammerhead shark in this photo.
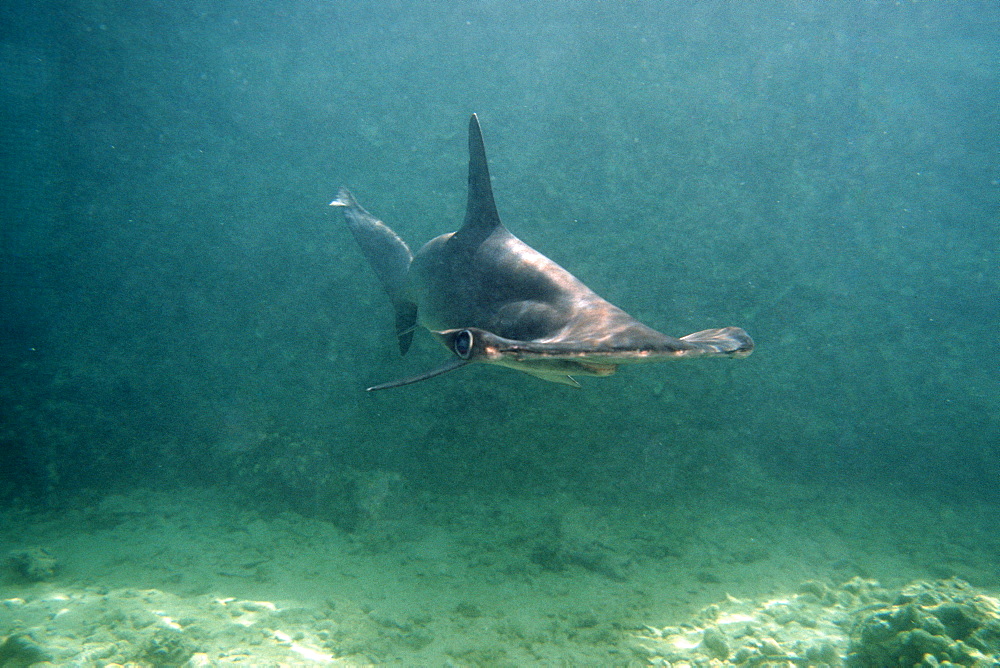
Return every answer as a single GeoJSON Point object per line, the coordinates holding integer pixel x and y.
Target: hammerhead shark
{"type": "Point", "coordinates": [489, 297]}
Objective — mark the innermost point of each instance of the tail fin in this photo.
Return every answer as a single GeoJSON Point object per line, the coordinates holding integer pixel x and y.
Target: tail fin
{"type": "Point", "coordinates": [389, 256]}
{"type": "Point", "coordinates": [731, 341]}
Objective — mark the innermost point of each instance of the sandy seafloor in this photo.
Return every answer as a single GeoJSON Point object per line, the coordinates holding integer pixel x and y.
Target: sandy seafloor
{"type": "Point", "coordinates": [193, 577]}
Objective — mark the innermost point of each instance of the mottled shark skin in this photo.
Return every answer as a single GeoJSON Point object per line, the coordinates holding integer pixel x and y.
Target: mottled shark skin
{"type": "Point", "coordinates": [489, 297]}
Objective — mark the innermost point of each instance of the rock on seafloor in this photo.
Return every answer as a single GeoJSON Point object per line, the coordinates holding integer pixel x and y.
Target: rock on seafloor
{"type": "Point", "coordinates": [858, 624]}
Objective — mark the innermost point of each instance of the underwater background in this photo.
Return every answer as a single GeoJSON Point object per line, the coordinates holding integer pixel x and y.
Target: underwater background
{"type": "Point", "coordinates": [183, 317]}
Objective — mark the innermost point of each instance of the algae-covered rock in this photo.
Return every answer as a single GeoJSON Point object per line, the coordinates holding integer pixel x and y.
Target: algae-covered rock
{"type": "Point", "coordinates": [945, 624]}
{"type": "Point", "coordinates": [941, 623]}
{"type": "Point", "coordinates": [21, 650]}
{"type": "Point", "coordinates": [715, 643]}
{"type": "Point", "coordinates": [165, 647]}
{"type": "Point", "coordinates": [33, 564]}
{"type": "Point", "coordinates": [798, 629]}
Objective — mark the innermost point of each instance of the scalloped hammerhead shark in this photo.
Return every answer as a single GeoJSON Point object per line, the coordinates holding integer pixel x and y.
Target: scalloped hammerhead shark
{"type": "Point", "coordinates": [489, 297]}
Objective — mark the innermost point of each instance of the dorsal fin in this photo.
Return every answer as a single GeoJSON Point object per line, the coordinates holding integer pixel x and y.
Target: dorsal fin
{"type": "Point", "coordinates": [481, 216]}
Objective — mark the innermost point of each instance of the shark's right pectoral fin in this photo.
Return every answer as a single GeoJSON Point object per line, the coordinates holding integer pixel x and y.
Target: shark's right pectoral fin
{"type": "Point", "coordinates": [389, 256]}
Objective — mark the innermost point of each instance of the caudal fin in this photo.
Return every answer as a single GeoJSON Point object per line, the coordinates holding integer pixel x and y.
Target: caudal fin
{"type": "Point", "coordinates": [731, 341]}
{"type": "Point", "coordinates": [389, 256]}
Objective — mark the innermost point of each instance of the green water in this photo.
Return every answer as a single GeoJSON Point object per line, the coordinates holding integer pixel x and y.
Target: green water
{"type": "Point", "coordinates": [181, 307]}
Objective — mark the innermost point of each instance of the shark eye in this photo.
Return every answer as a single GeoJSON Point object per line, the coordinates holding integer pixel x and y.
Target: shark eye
{"type": "Point", "coordinates": [463, 344]}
